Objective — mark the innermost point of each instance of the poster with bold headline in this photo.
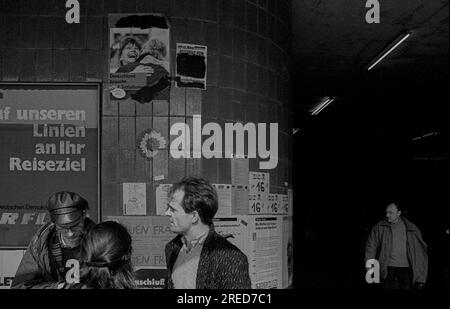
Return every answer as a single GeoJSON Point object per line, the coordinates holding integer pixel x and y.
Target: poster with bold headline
{"type": "Point", "coordinates": [49, 143]}
{"type": "Point", "coordinates": [139, 57]}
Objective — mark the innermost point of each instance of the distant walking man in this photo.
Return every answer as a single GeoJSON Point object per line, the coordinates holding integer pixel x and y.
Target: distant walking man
{"type": "Point", "coordinates": [398, 246]}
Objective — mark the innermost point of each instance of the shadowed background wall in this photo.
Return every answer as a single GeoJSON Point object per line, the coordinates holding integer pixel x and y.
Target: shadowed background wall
{"type": "Point", "coordinates": [248, 81]}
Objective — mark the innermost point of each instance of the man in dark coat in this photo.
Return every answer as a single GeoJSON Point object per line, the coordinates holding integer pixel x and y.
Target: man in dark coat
{"type": "Point", "coordinates": [397, 245]}
{"type": "Point", "coordinates": [200, 258]}
{"type": "Point", "coordinates": [44, 264]}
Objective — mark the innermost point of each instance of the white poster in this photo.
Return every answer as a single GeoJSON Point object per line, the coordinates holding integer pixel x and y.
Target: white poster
{"type": "Point", "coordinates": [9, 262]}
{"type": "Point", "coordinates": [240, 200]}
{"type": "Point", "coordinates": [162, 198]}
{"type": "Point", "coordinates": [259, 185]}
{"type": "Point", "coordinates": [191, 65]}
{"type": "Point", "coordinates": [134, 198]}
{"type": "Point", "coordinates": [236, 230]}
{"type": "Point", "coordinates": [239, 171]}
{"type": "Point", "coordinates": [262, 240]}
{"type": "Point", "coordinates": [266, 260]}
{"type": "Point", "coordinates": [224, 194]}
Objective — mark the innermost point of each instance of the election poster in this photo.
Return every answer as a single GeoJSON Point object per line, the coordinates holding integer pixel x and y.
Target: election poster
{"type": "Point", "coordinates": [149, 234]}
{"type": "Point", "coordinates": [259, 185]}
{"type": "Point", "coordinates": [191, 66]}
{"type": "Point", "coordinates": [278, 204]}
{"type": "Point", "coordinates": [49, 143]}
{"type": "Point", "coordinates": [139, 57]}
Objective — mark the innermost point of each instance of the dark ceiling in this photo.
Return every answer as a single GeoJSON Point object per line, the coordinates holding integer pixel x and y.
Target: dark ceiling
{"type": "Point", "coordinates": [385, 137]}
{"type": "Point", "coordinates": [332, 42]}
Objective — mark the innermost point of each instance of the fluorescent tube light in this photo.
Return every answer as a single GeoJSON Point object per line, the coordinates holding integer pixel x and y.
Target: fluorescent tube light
{"type": "Point", "coordinates": [389, 49]}
{"type": "Point", "coordinates": [322, 106]}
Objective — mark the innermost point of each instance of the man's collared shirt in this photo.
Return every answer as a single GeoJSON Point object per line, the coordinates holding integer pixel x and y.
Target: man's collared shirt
{"type": "Point", "coordinates": [184, 273]}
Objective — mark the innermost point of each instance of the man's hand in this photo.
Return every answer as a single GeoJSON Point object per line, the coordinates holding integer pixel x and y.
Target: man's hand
{"type": "Point", "coordinates": [419, 286]}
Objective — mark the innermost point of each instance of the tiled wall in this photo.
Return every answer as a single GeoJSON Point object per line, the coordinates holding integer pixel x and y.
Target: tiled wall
{"type": "Point", "coordinates": [248, 79]}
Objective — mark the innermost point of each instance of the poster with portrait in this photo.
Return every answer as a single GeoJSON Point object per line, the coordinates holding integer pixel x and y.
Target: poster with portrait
{"type": "Point", "coordinates": [139, 57]}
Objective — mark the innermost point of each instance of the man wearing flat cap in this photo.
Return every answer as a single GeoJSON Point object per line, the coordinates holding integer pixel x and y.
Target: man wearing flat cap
{"type": "Point", "coordinates": [44, 264]}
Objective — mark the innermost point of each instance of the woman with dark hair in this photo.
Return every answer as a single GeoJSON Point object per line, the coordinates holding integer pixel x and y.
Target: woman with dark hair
{"type": "Point", "coordinates": [106, 258]}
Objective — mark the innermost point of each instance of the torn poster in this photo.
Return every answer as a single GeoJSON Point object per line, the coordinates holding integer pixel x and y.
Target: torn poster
{"type": "Point", "coordinates": [259, 184]}
{"type": "Point", "coordinates": [191, 66]}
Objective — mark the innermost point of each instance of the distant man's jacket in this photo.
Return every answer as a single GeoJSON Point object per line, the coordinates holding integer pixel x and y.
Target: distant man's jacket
{"type": "Point", "coordinates": [379, 246]}
{"type": "Point", "coordinates": [221, 266]}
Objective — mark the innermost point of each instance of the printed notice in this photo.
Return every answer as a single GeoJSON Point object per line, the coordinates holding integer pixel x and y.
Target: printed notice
{"type": "Point", "coordinates": [239, 171]}
{"type": "Point", "coordinates": [236, 230]}
{"type": "Point", "coordinates": [240, 200]}
{"type": "Point", "coordinates": [224, 194]}
{"type": "Point", "coordinates": [134, 199]}
{"type": "Point", "coordinates": [278, 204]}
{"type": "Point", "coordinates": [267, 273]}
{"type": "Point", "coordinates": [162, 198]}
